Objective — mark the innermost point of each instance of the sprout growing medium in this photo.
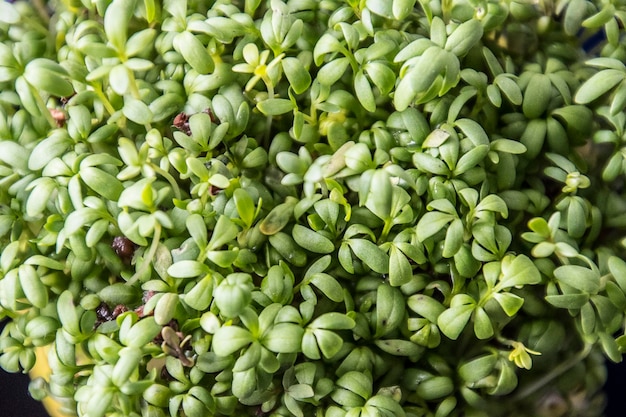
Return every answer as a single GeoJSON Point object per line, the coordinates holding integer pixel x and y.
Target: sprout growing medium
{"type": "Point", "coordinates": [335, 208]}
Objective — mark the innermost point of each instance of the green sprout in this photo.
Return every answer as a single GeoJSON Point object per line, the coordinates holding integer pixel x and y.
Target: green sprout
{"type": "Point", "coordinates": [333, 208]}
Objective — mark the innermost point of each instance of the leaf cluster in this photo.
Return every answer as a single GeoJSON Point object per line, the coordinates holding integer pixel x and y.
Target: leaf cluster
{"type": "Point", "coordinates": [337, 208]}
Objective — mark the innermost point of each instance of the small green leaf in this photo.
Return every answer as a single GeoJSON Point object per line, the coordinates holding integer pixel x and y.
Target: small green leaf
{"type": "Point", "coordinates": [579, 277]}
{"type": "Point", "coordinates": [357, 383]}
{"type": "Point", "coordinates": [40, 196]}
{"type": "Point", "coordinates": [229, 339]}
{"type": "Point", "coordinates": [288, 248]}
{"type": "Point", "coordinates": [41, 260]}
{"type": "Point", "coordinates": [599, 84]}
{"type": "Point", "coordinates": [494, 95]}
{"type": "Point", "coordinates": [431, 223]}
{"type": "Point", "coordinates": [35, 291]}
{"type": "Point", "coordinates": [197, 229]}
{"type": "Point", "coordinates": [16, 156]}
{"type": "Point", "coordinates": [574, 15]}
{"type": "Point", "coordinates": [187, 269]}
{"type": "Point", "coordinates": [329, 343]}
{"type": "Point", "coordinates": [495, 204]}
{"type": "Point", "coordinates": [102, 182]}
{"type": "Point", "coordinates": [399, 347]}
{"type": "Point", "coordinates": [67, 313]}
{"type": "Point", "coordinates": [141, 333]}
{"type": "Point", "coordinates": [275, 106]}
{"type": "Point", "coordinates": [28, 97]}
{"type": "Point", "coordinates": [297, 74]}
{"type": "Point", "coordinates": [283, 338]}
{"type": "Point", "coordinates": [48, 149]}
{"type": "Point", "coordinates": [471, 159]}
{"type": "Point", "coordinates": [300, 391]}
{"type": "Point", "coordinates": [116, 20]}
{"type": "Point", "coordinates": [332, 71]}
{"type": "Point", "coordinates": [508, 146]}
{"type": "Point", "coordinates": [435, 387]}
{"type": "Point", "coordinates": [326, 44]}
{"type": "Point", "coordinates": [510, 88]}
{"type": "Point", "coordinates": [537, 96]}
{"type": "Point", "coordinates": [464, 37]}
{"type": "Point", "coordinates": [140, 41]}
{"type": "Point", "coordinates": [225, 231]}
{"type": "Point", "coordinates": [379, 197]}
{"type": "Point", "coordinates": [234, 294]}
{"type": "Point", "coordinates": [388, 405]}
{"type": "Point", "coordinates": [610, 347]}
{"type": "Point", "coordinates": [312, 240]}
{"type": "Point", "coordinates": [509, 302]}
{"type": "Point", "coordinates": [568, 301]}
{"type": "Point", "coordinates": [137, 111]}
{"type": "Point", "coordinates": [194, 52]}
{"type": "Point", "coordinates": [364, 92]}
{"type": "Point", "coordinates": [617, 266]}
{"type": "Point", "coordinates": [430, 165]}
{"type": "Point", "coordinates": [165, 106]}
{"type": "Point", "coordinates": [370, 254]}
{"type": "Point", "coordinates": [400, 270]}
{"type": "Point", "coordinates": [333, 321]}
{"type": "Point", "coordinates": [127, 363]}
{"type": "Point", "coordinates": [165, 308]}
{"type": "Point", "coordinates": [482, 324]}
{"type": "Point", "coordinates": [390, 310]}
{"type": "Point", "coordinates": [328, 285]}
{"type": "Point", "coordinates": [200, 296]}
{"type": "Point", "coordinates": [518, 271]}
{"type": "Point", "coordinates": [452, 321]}
{"type": "Point", "coordinates": [120, 293]}
{"type": "Point", "coordinates": [381, 75]}
{"type": "Point", "coordinates": [43, 329]}
{"type": "Point", "coordinates": [426, 306]}
{"type": "Point", "coordinates": [245, 206]}
{"type": "Point", "coordinates": [576, 218]}
{"type": "Point", "coordinates": [454, 238]}
{"type": "Point", "coordinates": [120, 79]}
{"type": "Point", "coordinates": [98, 405]}
{"type": "Point", "coordinates": [478, 368]}
{"type": "Point", "coordinates": [48, 76]}
{"type": "Point", "coordinates": [157, 395]}
{"type": "Point", "coordinates": [473, 131]}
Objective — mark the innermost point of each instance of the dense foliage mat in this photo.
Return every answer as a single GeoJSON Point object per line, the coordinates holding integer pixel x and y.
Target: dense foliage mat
{"type": "Point", "coordinates": [314, 208]}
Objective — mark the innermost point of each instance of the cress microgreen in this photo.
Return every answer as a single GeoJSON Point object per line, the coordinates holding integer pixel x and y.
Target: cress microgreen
{"type": "Point", "coordinates": [336, 208]}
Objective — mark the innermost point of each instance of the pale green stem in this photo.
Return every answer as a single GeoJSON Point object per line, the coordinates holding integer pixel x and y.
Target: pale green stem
{"type": "Point", "coordinates": [105, 101]}
{"type": "Point", "coordinates": [156, 237]}
{"type": "Point", "coordinates": [40, 7]}
{"type": "Point", "coordinates": [270, 95]}
{"type": "Point", "coordinates": [446, 8]}
{"type": "Point", "coordinates": [135, 92]}
{"type": "Point", "coordinates": [42, 106]}
{"type": "Point", "coordinates": [111, 110]}
{"type": "Point", "coordinates": [169, 179]}
{"type": "Point", "coordinates": [386, 229]}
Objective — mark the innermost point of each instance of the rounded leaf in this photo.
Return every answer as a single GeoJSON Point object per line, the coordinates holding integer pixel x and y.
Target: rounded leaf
{"type": "Point", "coordinates": [464, 37]}
{"type": "Point", "coordinates": [312, 240]}
{"type": "Point", "coordinates": [229, 339]}
{"type": "Point", "coordinates": [579, 277]}
{"type": "Point", "coordinates": [537, 96]}
{"type": "Point", "coordinates": [435, 387]}
{"type": "Point", "coordinates": [599, 84]}
{"type": "Point", "coordinates": [193, 52]}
